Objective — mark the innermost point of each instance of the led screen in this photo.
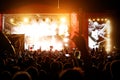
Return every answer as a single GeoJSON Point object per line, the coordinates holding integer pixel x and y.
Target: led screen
{"type": "Point", "coordinates": [98, 33]}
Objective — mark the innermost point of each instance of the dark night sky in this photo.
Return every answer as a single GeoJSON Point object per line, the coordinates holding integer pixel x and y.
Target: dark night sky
{"type": "Point", "coordinates": [88, 5]}
{"type": "Point", "coordinates": [94, 6]}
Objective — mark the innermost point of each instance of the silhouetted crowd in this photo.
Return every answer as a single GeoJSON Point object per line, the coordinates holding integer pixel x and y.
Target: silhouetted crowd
{"type": "Point", "coordinates": [55, 65]}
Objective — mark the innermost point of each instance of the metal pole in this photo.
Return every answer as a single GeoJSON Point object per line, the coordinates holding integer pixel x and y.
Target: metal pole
{"type": "Point", "coordinates": [58, 4]}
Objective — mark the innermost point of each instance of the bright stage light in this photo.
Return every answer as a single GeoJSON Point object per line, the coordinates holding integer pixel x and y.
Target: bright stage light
{"type": "Point", "coordinates": [98, 19]}
{"type": "Point", "coordinates": [42, 33]}
{"type": "Point", "coordinates": [65, 39]}
{"type": "Point", "coordinates": [93, 19]}
{"type": "Point", "coordinates": [106, 19]}
{"type": "Point", "coordinates": [47, 20]}
{"type": "Point", "coordinates": [66, 45]}
{"type": "Point", "coordinates": [26, 20]}
{"type": "Point", "coordinates": [108, 42]}
{"type": "Point", "coordinates": [102, 19]}
{"type": "Point", "coordinates": [89, 19]}
{"type": "Point", "coordinates": [67, 34]}
{"type": "Point", "coordinates": [63, 20]}
{"type": "Point", "coordinates": [11, 20]}
{"type": "Point", "coordinates": [63, 28]}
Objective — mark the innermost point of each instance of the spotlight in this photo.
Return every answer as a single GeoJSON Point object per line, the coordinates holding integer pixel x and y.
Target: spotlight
{"type": "Point", "coordinates": [26, 20]}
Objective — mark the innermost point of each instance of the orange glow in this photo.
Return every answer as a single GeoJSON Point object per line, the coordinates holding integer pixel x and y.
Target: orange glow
{"type": "Point", "coordinates": [11, 20]}
{"type": "Point", "coordinates": [98, 19]}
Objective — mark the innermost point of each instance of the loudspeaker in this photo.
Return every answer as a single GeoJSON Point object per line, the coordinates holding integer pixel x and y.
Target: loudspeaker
{"type": "Point", "coordinates": [6, 48]}
{"type": "Point", "coordinates": [17, 40]}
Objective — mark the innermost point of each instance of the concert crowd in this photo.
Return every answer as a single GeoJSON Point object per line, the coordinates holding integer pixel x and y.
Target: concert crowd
{"type": "Point", "coordinates": [66, 64]}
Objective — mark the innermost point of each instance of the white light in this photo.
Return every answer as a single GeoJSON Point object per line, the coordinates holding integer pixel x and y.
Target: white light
{"type": "Point", "coordinates": [63, 19]}
{"type": "Point", "coordinates": [95, 23]}
{"type": "Point", "coordinates": [43, 33]}
{"type": "Point", "coordinates": [11, 20]}
{"type": "Point", "coordinates": [65, 39]}
{"type": "Point", "coordinates": [98, 19]}
{"type": "Point", "coordinates": [66, 45]}
{"type": "Point", "coordinates": [26, 20]}
{"type": "Point", "coordinates": [108, 43]}
{"type": "Point", "coordinates": [89, 19]}
{"type": "Point", "coordinates": [47, 20]}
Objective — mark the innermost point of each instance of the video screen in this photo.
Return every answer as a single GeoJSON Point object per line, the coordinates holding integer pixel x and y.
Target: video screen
{"type": "Point", "coordinates": [98, 33]}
